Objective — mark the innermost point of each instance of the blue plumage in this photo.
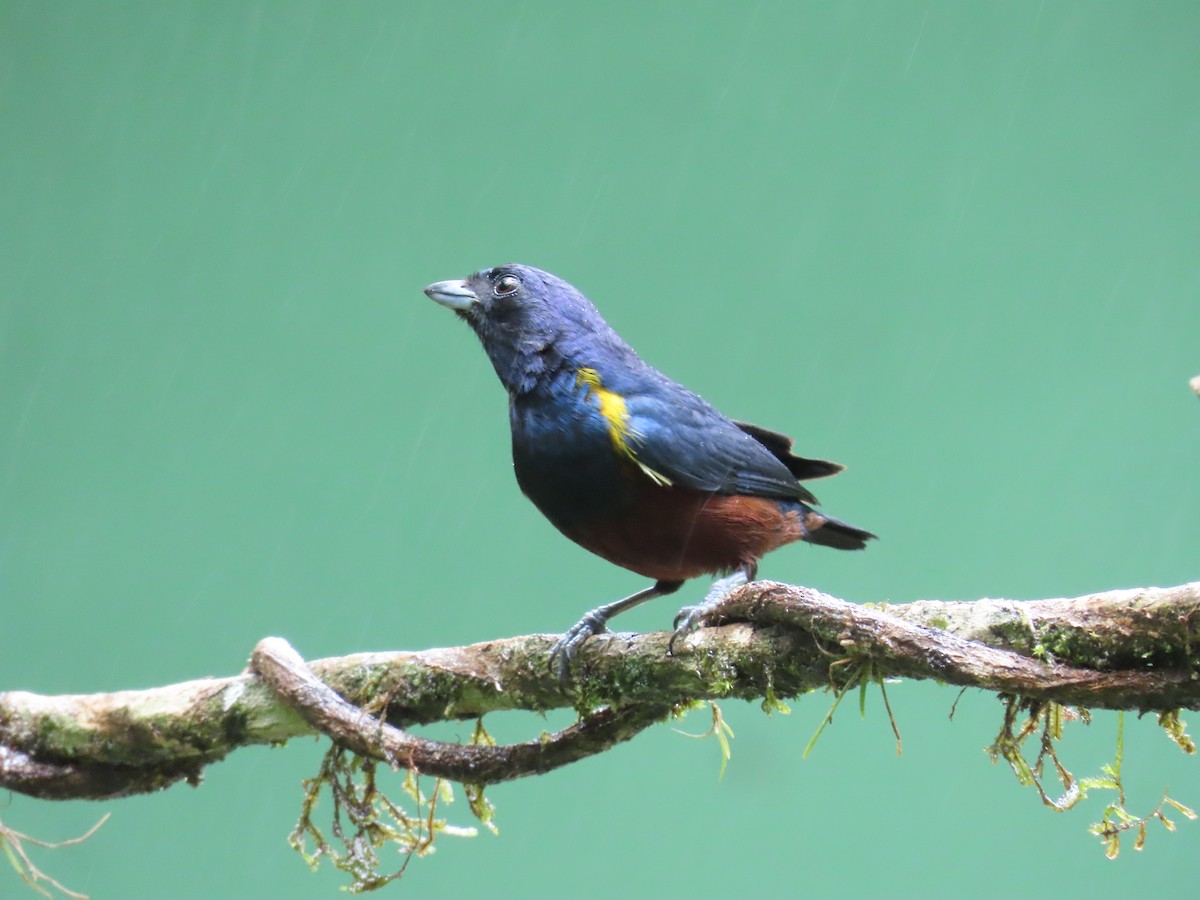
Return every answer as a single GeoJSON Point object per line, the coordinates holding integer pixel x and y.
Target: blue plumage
{"type": "Point", "coordinates": [623, 460]}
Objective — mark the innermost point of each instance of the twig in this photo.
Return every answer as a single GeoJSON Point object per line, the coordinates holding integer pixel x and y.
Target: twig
{"type": "Point", "coordinates": [13, 842]}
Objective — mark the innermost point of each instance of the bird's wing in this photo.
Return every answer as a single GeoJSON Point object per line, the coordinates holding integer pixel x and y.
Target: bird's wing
{"type": "Point", "coordinates": [682, 438]}
{"type": "Point", "coordinates": [780, 446]}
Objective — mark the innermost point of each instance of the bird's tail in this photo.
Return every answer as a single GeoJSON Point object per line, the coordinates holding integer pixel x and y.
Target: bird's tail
{"type": "Point", "coordinates": [830, 532]}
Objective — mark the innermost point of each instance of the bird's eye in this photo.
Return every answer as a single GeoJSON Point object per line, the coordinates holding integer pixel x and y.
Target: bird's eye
{"type": "Point", "coordinates": [507, 285]}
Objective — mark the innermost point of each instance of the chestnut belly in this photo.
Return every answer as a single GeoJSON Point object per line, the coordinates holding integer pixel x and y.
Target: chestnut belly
{"type": "Point", "coordinates": [673, 534]}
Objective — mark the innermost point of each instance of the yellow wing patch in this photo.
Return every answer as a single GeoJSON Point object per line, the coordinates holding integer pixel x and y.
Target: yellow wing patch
{"type": "Point", "coordinates": [616, 416]}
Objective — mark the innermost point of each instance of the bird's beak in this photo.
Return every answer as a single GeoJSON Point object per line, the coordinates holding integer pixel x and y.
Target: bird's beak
{"type": "Point", "coordinates": [456, 295]}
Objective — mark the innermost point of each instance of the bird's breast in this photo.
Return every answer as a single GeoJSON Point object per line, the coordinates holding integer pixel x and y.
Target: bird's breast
{"type": "Point", "coordinates": [565, 458]}
{"type": "Point", "coordinates": [599, 496]}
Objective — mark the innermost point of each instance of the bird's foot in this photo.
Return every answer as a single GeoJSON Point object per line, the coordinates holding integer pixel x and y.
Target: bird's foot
{"type": "Point", "coordinates": [596, 622]}
{"type": "Point", "coordinates": [564, 650]}
{"type": "Point", "coordinates": [687, 620]}
{"type": "Point", "coordinates": [691, 618]}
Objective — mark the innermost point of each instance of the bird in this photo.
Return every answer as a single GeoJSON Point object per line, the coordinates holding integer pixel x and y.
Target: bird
{"type": "Point", "coordinates": [628, 463]}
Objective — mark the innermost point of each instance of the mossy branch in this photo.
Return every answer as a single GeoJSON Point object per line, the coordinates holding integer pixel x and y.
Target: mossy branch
{"type": "Point", "coordinates": [1131, 649]}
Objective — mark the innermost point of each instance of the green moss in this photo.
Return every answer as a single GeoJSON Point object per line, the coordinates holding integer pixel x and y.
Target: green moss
{"type": "Point", "coordinates": [1136, 651]}
{"type": "Point", "coordinates": [596, 688]}
{"type": "Point", "coordinates": [1014, 632]}
{"type": "Point", "coordinates": [1176, 730]}
{"type": "Point", "coordinates": [772, 704]}
{"type": "Point", "coordinates": [62, 736]}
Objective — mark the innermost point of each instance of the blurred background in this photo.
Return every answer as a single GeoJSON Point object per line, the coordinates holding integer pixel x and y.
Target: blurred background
{"type": "Point", "coordinates": [953, 246]}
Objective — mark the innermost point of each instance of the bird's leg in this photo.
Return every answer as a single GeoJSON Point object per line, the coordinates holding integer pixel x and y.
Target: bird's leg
{"type": "Point", "coordinates": [596, 622]}
{"type": "Point", "coordinates": [692, 617]}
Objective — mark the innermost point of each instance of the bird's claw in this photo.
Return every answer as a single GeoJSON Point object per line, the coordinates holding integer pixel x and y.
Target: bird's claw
{"type": "Point", "coordinates": [688, 620]}
{"type": "Point", "coordinates": [568, 645]}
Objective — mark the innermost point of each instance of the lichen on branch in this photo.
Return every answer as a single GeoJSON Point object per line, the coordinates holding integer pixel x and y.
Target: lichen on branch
{"type": "Point", "coordinates": [1133, 649]}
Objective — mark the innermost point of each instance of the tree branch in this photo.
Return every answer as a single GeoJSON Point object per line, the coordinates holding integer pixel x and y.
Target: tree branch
{"type": "Point", "coordinates": [1117, 650]}
{"type": "Point", "coordinates": [281, 667]}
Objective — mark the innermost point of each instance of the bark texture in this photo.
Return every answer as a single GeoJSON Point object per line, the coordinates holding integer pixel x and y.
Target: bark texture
{"type": "Point", "coordinates": [1126, 649]}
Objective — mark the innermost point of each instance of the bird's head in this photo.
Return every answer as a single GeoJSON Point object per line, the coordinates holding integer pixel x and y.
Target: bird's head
{"type": "Point", "coordinates": [531, 323]}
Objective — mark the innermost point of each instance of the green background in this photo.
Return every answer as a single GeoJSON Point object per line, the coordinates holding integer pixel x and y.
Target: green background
{"type": "Point", "coordinates": [952, 245]}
